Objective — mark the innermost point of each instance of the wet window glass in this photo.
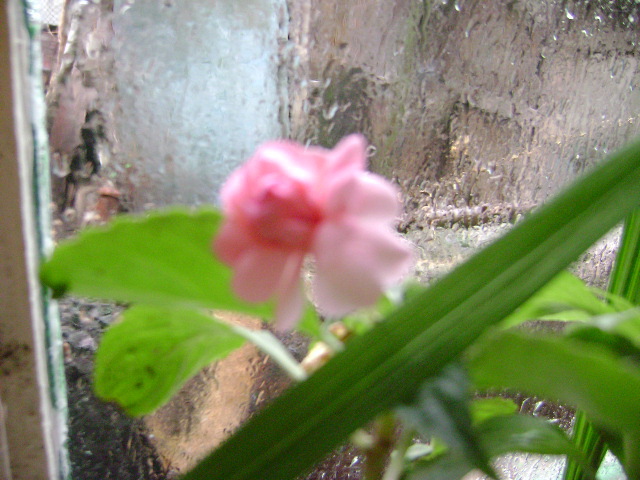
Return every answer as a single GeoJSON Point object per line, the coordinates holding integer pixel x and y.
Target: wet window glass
{"type": "Point", "coordinates": [479, 111]}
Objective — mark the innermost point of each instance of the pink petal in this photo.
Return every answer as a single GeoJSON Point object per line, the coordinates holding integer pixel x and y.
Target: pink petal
{"type": "Point", "coordinates": [290, 297]}
{"type": "Point", "coordinates": [366, 196]}
{"type": "Point", "coordinates": [258, 272]}
{"type": "Point", "coordinates": [264, 274]}
{"type": "Point", "coordinates": [231, 242]}
{"type": "Point", "coordinates": [284, 158]}
{"type": "Point", "coordinates": [355, 263]}
{"type": "Point", "coordinates": [349, 153]}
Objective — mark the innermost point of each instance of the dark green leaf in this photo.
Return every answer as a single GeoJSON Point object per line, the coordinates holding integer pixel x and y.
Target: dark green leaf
{"type": "Point", "coordinates": [386, 366]}
{"type": "Point", "coordinates": [161, 259]}
{"type": "Point", "coordinates": [441, 408]}
{"type": "Point", "coordinates": [579, 374]}
{"type": "Point", "coordinates": [625, 324]}
{"type": "Point", "coordinates": [144, 359]}
{"type": "Point", "coordinates": [616, 344]}
{"type": "Point", "coordinates": [523, 433]}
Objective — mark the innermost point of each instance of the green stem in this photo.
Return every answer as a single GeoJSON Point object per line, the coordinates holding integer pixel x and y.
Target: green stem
{"type": "Point", "coordinates": [625, 282]}
{"type": "Point", "coordinates": [396, 462]}
{"type": "Point", "coordinates": [384, 438]}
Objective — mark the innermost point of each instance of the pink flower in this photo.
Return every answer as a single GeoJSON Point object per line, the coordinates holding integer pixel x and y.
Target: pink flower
{"type": "Point", "coordinates": [289, 201]}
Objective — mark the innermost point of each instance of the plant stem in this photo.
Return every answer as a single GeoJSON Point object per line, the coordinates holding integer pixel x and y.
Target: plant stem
{"type": "Point", "coordinates": [384, 439]}
{"type": "Point", "coordinates": [396, 462]}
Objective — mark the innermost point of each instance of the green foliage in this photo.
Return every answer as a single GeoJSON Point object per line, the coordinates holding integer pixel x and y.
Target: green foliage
{"type": "Point", "coordinates": [470, 433]}
{"type": "Point", "coordinates": [387, 365]}
{"type": "Point", "coordinates": [602, 384]}
{"type": "Point", "coordinates": [566, 297]}
{"type": "Point", "coordinates": [604, 374]}
{"type": "Point", "coordinates": [145, 358]}
{"type": "Point", "coordinates": [624, 286]}
{"type": "Point", "coordinates": [485, 408]}
{"type": "Point", "coordinates": [161, 259]}
{"type": "Point", "coordinates": [441, 408]}
{"type": "Point", "coordinates": [164, 264]}
{"type": "Point", "coordinates": [523, 433]}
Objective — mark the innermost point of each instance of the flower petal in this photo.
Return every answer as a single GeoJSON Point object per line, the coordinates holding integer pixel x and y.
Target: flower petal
{"type": "Point", "coordinates": [349, 153]}
{"type": "Point", "coordinates": [290, 297]}
{"type": "Point", "coordinates": [231, 242]}
{"type": "Point", "coordinates": [258, 273]}
{"type": "Point", "coordinates": [355, 263]}
{"type": "Point", "coordinates": [366, 196]}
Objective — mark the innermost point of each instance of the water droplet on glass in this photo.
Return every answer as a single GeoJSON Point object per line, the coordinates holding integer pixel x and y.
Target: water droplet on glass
{"type": "Point", "coordinates": [457, 6]}
{"type": "Point", "coordinates": [569, 15]}
{"type": "Point", "coordinates": [329, 114]}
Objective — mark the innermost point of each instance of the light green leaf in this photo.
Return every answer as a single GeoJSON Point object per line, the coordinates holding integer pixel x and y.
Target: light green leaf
{"type": "Point", "coordinates": [566, 297]}
{"type": "Point", "coordinates": [485, 408]}
{"type": "Point", "coordinates": [164, 258]}
{"type": "Point", "coordinates": [386, 366]}
{"type": "Point", "coordinates": [145, 358]}
{"type": "Point", "coordinates": [583, 375]}
{"type": "Point", "coordinates": [449, 466]}
{"type": "Point", "coordinates": [418, 451]}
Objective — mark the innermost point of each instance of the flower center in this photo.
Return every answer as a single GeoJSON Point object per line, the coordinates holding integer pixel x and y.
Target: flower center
{"type": "Point", "coordinates": [282, 215]}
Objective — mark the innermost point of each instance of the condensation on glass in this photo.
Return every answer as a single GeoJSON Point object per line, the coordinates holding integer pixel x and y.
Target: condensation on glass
{"type": "Point", "coordinates": [478, 110]}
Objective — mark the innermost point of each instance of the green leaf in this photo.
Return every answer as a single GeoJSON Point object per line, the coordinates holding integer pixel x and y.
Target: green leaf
{"type": "Point", "coordinates": [419, 450]}
{"type": "Point", "coordinates": [625, 278]}
{"type": "Point", "coordinates": [524, 433]}
{"type": "Point", "coordinates": [387, 365]}
{"type": "Point", "coordinates": [485, 408]}
{"type": "Point", "coordinates": [145, 359]}
{"type": "Point", "coordinates": [164, 258]}
{"type": "Point", "coordinates": [450, 466]}
{"type": "Point", "coordinates": [565, 293]}
{"type": "Point", "coordinates": [583, 375]}
{"type": "Point", "coordinates": [623, 293]}
{"type": "Point", "coordinates": [625, 324]}
{"type": "Point", "coordinates": [617, 344]}
{"type": "Point", "coordinates": [499, 435]}
{"type": "Point", "coordinates": [442, 409]}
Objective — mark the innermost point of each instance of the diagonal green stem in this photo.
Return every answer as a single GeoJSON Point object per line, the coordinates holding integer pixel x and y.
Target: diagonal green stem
{"type": "Point", "coordinates": [625, 282]}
